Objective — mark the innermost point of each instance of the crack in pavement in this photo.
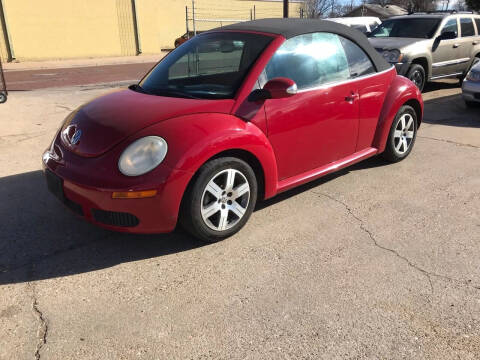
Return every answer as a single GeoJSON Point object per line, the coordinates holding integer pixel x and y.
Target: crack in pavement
{"type": "Point", "coordinates": [449, 141]}
{"type": "Point", "coordinates": [42, 331]}
{"type": "Point", "coordinates": [427, 274]}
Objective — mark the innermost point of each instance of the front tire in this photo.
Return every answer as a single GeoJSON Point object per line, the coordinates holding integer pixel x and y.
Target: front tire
{"type": "Point", "coordinates": [220, 200]}
{"type": "Point", "coordinates": [416, 74]}
{"type": "Point", "coordinates": [3, 97]}
{"type": "Point", "coordinates": [402, 135]}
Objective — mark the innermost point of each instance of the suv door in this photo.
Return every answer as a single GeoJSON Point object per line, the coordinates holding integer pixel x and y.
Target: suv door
{"type": "Point", "coordinates": [319, 124]}
{"type": "Point", "coordinates": [446, 52]}
{"type": "Point", "coordinates": [468, 37]}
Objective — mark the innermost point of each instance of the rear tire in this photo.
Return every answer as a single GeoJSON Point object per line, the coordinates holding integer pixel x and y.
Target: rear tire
{"type": "Point", "coordinates": [220, 200]}
{"type": "Point", "coordinates": [3, 97]}
{"type": "Point", "coordinates": [402, 135]}
{"type": "Point", "coordinates": [416, 74]}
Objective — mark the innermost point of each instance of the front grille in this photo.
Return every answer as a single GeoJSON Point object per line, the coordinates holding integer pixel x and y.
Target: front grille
{"type": "Point", "coordinates": [115, 218]}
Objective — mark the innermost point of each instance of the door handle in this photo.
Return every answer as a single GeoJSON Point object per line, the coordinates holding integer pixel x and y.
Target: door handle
{"type": "Point", "coordinates": [352, 97]}
{"type": "Point", "coordinates": [456, 45]}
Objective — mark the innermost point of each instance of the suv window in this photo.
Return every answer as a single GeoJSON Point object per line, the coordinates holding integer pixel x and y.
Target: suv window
{"type": "Point", "coordinates": [451, 25]}
{"type": "Point", "coordinates": [358, 62]}
{"type": "Point", "coordinates": [466, 24]}
{"type": "Point", "coordinates": [310, 60]}
{"type": "Point", "coordinates": [477, 22]}
{"type": "Point", "coordinates": [417, 27]}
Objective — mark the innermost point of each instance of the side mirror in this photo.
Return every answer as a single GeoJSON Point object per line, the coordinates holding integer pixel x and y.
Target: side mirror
{"type": "Point", "coordinates": [447, 35]}
{"type": "Point", "coordinates": [276, 88]}
{"type": "Point", "coordinates": [281, 87]}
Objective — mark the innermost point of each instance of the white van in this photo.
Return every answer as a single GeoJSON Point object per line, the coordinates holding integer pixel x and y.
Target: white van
{"type": "Point", "coordinates": [365, 24]}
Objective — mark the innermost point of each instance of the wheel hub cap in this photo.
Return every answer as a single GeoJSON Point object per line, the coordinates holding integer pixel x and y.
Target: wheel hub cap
{"type": "Point", "coordinates": [225, 199]}
{"type": "Point", "coordinates": [404, 133]}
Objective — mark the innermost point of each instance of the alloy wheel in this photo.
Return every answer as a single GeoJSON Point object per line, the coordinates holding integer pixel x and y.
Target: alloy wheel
{"type": "Point", "coordinates": [417, 78]}
{"type": "Point", "coordinates": [225, 199]}
{"type": "Point", "coordinates": [404, 133]}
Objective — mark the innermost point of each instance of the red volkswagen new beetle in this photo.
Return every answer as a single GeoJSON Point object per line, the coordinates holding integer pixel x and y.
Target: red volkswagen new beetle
{"type": "Point", "coordinates": [232, 116]}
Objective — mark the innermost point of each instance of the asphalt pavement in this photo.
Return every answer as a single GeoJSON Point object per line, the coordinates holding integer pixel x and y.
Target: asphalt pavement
{"type": "Point", "coordinates": [378, 261]}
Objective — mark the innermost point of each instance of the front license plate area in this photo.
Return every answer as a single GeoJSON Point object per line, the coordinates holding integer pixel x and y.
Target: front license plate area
{"type": "Point", "coordinates": [55, 185]}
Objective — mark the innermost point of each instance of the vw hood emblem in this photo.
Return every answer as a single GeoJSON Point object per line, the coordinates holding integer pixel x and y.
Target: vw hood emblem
{"type": "Point", "coordinates": [76, 137]}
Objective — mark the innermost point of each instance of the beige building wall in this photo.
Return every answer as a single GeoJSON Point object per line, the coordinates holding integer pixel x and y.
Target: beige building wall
{"type": "Point", "coordinates": [61, 29]}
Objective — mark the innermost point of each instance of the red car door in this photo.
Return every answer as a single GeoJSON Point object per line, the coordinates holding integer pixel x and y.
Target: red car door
{"type": "Point", "coordinates": [312, 128]}
{"type": "Point", "coordinates": [319, 124]}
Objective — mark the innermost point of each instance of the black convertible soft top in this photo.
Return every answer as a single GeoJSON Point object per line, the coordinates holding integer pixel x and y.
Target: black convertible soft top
{"type": "Point", "coordinates": [293, 27]}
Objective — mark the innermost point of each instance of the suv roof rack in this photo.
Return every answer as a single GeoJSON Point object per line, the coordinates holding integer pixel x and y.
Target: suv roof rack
{"type": "Point", "coordinates": [441, 12]}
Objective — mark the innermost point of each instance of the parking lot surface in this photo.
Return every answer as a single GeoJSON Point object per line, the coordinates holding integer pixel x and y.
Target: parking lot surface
{"type": "Point", "coordinates": [378, 261]}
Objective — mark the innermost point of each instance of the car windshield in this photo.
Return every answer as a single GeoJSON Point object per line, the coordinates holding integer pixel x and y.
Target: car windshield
{"type": "Point", "coordinates": [209, 66]}
{"type": "Point", "coordinates": [423, 28]}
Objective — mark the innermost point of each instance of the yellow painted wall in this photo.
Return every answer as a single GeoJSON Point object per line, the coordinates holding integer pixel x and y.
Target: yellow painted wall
{"type": "Point", "coordinates": [60, 29]}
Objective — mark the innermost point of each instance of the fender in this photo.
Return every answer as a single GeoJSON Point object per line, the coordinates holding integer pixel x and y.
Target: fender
{"type": "Point", "coordinates": [401, 90]}
{"type": "Point", "coordinates": [208, 134]}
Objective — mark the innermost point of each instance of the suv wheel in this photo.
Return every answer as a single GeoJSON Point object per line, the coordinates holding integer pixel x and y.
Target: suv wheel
{"type": "Point", "coordinates": [416, 74]}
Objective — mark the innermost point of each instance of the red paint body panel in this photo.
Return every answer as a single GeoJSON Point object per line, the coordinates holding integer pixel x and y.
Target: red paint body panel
{"type": "Point", "coordinates": [399, 92]}
{"type": "Point", "coordinates": [295, 139]}
{"type": "Point", "coordinates": [312, 128]}
{"type": "Point", "coordinates": [109, 119]}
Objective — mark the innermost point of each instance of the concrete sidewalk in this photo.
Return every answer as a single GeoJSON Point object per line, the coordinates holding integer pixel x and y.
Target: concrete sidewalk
{"type": "Point", "coordinates": [87, 62]}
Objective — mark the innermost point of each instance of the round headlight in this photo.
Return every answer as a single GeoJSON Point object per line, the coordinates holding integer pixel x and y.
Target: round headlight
{"type": "Point", "coordinates": [392, 56]}
{"type": "Point", "coordinates": [142, 156]}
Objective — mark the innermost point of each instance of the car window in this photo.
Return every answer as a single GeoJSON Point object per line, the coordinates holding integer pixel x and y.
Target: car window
{"type": "Point", "coordinates": [451, 25]}
{"type": "Point", "coordinates": [419, 28]}
{"type": "Point", "coordinates": [477, 22]}
{"type": "Point", "coordinates": [358, 61]}
{"type": "Point", "coordinates": [466, 24]}
{"type": "Point", "coordinates": [373, 25]}
{"type": "Point", "coordinates": [310, 60]}
{"type": "Point", "coordinates": [211, 65]}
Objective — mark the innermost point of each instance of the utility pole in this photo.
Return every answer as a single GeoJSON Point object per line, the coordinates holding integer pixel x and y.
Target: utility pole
{"type": "Point", "coordinates": [285, 8]}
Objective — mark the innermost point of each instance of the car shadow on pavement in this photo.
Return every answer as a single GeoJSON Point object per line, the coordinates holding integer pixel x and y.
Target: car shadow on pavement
{"type": "Point", "coordinates": [440, 85]}
{"type": "Point", "coordinates": [451, 111]}
{"type": "Point", "coordinates": [41, 239]}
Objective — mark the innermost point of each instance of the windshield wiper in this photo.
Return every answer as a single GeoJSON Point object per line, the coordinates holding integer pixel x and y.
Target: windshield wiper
{"type": "Point", "coordinates": [138, 88]}
{"type": "Point", "coordinates": [177, 93]}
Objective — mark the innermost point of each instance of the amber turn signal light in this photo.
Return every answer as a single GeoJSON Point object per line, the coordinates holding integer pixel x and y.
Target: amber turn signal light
{"type": "Point", "coordinates": [134, 194]}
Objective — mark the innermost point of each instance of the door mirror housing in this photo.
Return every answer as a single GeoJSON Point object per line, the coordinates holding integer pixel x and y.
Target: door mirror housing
{"type": "Point", "coordinates": [281, 88]}
{"type": "Point", "coordinates": [447, 35]}
{"type": "Point", "coordinates": [276, 88]}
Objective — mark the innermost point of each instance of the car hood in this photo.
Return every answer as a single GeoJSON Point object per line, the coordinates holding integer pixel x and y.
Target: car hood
{"type": "Point", "coordinates": [104, 122]}
{"type": "Point", "coordinates": [390, 43]}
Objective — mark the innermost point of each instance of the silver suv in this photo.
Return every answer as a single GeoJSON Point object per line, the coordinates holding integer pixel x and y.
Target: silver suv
{"type": "Point", "coordinates": [429, 46]}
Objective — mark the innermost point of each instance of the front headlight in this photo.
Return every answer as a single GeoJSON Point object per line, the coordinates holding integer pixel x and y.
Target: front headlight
{"type": "Point", "coordinates": [392, 56]}
{"type": "Point", "coordinates": [142, 156]}
{"type": "Point", "coordinates": [473, 76]}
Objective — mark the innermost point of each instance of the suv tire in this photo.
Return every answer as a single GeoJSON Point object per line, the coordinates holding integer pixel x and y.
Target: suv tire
{"type": "Point", "coordinates": [416, 74]}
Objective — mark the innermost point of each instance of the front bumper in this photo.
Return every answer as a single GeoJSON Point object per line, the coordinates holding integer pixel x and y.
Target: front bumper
{"type": "Point", "coordinates": [402, 68]}
{"type": "Point", "coordinates": [471, 90]}
{"type": "Point", "coordinates": [88, 193]}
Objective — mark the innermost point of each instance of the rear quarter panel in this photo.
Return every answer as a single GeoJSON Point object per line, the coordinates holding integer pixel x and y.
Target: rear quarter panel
{"type": "Point", "coordinates": [401, 91]}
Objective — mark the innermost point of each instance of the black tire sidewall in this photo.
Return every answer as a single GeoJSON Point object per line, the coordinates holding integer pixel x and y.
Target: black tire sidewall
{"type": "Point", "coordinates": [192, 220]}
{"type": "Point", "coordinates": [390, 153]}
{"type": "Point", "coordinates": [417, 67]}
{"type": "Point", "coordinates": [3, 98]}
